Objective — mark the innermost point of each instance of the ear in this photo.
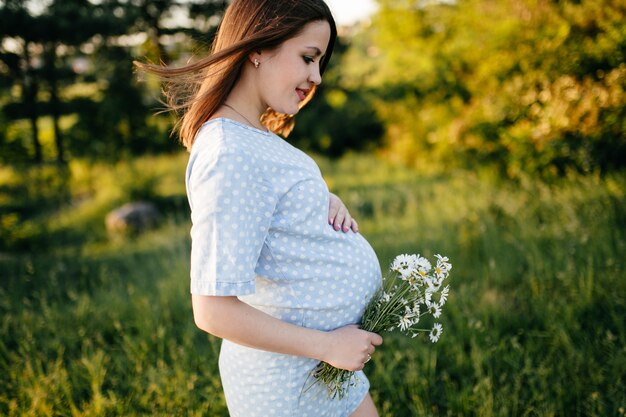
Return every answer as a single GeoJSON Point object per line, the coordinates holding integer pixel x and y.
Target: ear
{"type": "Point", "coordinates": [255, 57]}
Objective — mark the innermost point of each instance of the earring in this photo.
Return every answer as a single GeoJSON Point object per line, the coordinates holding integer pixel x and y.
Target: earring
{"type": "Point", "coordinates": [256, 63]}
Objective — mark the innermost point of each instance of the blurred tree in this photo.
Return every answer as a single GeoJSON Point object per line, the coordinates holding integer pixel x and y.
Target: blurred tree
{"type": "Point", "coordinates": [47, 43]}
{"type": "Point", "coordinates": [68, 24]}
{"type": "Point", "coordinates": [19, 68]}
{"type": "Point", "coordinates": [74, 57]}
{"type": "Point", "coordinates": [338, 121]}
{"type": "Point", "coordinates": [528, 85]}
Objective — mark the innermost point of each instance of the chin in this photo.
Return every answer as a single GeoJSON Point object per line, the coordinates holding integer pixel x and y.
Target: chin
{"type": "Point", "coordinates": [291, 108]}
{"type": "Point", "coordinates": [287, 110]}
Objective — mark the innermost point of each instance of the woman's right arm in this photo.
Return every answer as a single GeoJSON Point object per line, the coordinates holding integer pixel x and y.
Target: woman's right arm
{"type": "Point", "coordinates": [229, 318]}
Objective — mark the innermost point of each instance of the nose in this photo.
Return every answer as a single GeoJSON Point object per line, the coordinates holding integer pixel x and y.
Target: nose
{"type": "Point", "coordinates": [315, 77]}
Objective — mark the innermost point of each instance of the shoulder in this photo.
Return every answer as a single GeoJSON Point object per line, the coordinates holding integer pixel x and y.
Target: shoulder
{"type": "Point", "coordinates": [222, 133]}
{"type": "Point", "coordinates": [225, 149]}
{"type": "Point", "coordinates": [221, 139]}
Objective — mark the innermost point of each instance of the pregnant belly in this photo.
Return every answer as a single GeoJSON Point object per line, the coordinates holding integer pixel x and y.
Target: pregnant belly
{"type": "Point", "coordinates": [338, 294]}
{"type": "Point", "coordinates": [322, 282]}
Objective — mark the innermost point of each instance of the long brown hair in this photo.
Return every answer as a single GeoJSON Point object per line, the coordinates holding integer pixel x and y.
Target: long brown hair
{"type": "Point", "coordinates": [197, 90]}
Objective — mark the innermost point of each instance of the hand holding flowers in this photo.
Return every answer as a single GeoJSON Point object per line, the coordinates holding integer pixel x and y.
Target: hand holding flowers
{"type": "Point", "coordinates": [348, 340]}
{"type": "Point", "coordinates": [413, 290]}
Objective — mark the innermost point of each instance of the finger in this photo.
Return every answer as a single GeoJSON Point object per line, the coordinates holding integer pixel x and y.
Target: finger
{"type": "Point", "coordinates": [376, 340]}
{"type": "Point", "coordinates": [334, 204]}
{"type": "Point", "coordinates": [355, 226]}
{"type": "Point", "coordinates": [347, 222]}
{"type": "Point", "coordinates": [332, 212]}
{"type": "Point", "coordinates": [341, 214]}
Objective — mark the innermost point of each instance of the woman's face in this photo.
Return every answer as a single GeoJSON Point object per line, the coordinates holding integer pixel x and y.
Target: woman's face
{"type": "Point", "coordinates": [287, 73]}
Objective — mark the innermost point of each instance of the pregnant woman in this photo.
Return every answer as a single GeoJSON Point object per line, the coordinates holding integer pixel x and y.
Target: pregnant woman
{"type": "Point", "coordinates": [270, 276]}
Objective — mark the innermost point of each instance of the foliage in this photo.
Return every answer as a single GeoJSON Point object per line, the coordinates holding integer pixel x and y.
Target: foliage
{"type": "Point", "coordinates": [530, 86]}
{"type": "Point", "coordinates": [534, 325]}
{"type": "Point", "coordinates": [338, 121]}
{"type": "Point", "coordinates": [72, 59]}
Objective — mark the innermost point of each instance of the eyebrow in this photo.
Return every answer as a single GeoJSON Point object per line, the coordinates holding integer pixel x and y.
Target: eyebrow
{"type": "Point", "coordinates": [317, 50]}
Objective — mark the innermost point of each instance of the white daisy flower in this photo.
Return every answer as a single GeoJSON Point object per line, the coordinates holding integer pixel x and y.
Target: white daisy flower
{"type": "Point", "coordinates": [435, 310]}
{"type": "Point", "coordinates": [444, 296]}
{"type": "Point", "coordinates": [442, 258]}
{"type": "Point", "coordinates": [416, 310]}
{"type": "Point", "coordinates": [404, 265]}
{"type": "Point", "coordinates": [422, 264]}
{"type": "Point", "coordinates": [385, 297]}
{"type": "Point", "coordinates": [428, 296]}
{"type": "Point", "coordinates": [404, 323]}
{"type": "Point", "coordinates": [441, 272]}
{"type": "Point", "coordinates": [406, 275]}
{"type": "Point", "coordinates": [443, 264]}
{"type": "Point", "coordinates": [433, 285]}
{"type": "Point", "coordinates": [416, 284]}
{"type": "Point", "coordinates": [435, 332]}
{"type": "Point", "coordinates": [406, 320]}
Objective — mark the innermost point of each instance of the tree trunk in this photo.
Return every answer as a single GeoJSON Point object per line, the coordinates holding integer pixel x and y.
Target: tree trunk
{"type": "Point", "coordinates": [29, 98]}
{"type": "Point", "coordinates": [35, 134]}
{"type": "Point", "coordinates": [58, 138]}
{"type": "Point", "coordinates": [51, 73]}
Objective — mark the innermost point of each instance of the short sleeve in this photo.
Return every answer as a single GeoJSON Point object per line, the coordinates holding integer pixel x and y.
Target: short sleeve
{"type": "Point", "coordinates": [231, 210]}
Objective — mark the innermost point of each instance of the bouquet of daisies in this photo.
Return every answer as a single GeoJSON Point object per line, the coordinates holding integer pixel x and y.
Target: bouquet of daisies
{"type": "Point", "coordinates": [413, 290]}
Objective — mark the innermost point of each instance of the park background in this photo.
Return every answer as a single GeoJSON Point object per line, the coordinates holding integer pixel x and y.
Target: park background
{"type": "Point", "coordinates": [493, 132]}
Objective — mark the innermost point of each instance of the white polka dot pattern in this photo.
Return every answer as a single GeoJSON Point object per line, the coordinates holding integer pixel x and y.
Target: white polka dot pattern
{"type": "Point", "coordinates": [260, 232]}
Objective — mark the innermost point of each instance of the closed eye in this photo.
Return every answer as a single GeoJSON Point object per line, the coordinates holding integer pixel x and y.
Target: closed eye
{"type": "Point", "coordinates": [308, 59]}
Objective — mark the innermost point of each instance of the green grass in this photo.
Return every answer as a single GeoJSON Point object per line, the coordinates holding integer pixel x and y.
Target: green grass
{"type": "Point", "coordinates": [93, 326]}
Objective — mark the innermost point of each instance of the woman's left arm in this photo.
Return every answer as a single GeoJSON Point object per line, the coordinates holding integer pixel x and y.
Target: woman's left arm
{"type": "Point", "coordinates": [339, 216]}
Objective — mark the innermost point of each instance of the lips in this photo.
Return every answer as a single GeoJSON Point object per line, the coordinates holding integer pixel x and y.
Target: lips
{"type": "Point", "coordinates": [302, 93]}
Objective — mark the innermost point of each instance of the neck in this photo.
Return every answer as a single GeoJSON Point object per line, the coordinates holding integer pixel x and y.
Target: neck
{"type": "Point", "coordinates": [252, 123]}
{"type": "Point", "coordinates": [245, 100]}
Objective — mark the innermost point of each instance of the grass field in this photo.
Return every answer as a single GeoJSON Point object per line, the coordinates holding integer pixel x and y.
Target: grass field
{"type": "Point", "coordinates": [93, 325]}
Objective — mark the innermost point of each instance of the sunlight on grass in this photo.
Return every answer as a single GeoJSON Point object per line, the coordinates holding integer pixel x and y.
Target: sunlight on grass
{"type": "Point", "coordinates": [94, 326]}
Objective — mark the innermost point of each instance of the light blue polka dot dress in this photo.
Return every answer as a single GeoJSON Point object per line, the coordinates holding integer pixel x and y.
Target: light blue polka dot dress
{"type": "Point", "coordinates": [260, 232]}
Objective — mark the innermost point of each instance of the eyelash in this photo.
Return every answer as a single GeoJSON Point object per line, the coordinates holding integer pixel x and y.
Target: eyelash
{"type": "Point", "coordinates": [308, 59]}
